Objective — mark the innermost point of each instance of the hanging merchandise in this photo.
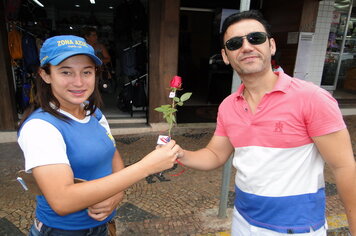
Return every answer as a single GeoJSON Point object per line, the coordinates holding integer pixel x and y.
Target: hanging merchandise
{"type": "Point", "coordinates": [23, 89]}
{"type": "Point", "coordinates": [30, 53]}
{"type": "Point", "coordinates": [15, 44]}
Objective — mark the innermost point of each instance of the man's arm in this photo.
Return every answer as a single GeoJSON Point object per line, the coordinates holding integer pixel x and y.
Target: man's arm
{"type": "Point", "coordinates": [215, 154]}
{"type": "Point", "coordinates": [337, 152]}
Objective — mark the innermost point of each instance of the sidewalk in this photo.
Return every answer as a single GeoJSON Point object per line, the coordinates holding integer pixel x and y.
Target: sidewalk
{"type": "Point", "coordinates": [184, 205]}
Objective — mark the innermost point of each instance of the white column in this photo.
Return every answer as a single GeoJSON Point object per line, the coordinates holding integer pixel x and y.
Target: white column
{"type": "Point", "coordinates": [244, 6]}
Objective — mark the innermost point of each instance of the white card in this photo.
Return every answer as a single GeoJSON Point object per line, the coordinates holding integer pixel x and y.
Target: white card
{"type": "Point", "coordinates": [172, 94]}
{"type": "Point", "coordinates": [163, 139]}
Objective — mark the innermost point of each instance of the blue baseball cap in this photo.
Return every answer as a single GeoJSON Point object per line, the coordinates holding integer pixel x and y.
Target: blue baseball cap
{"type": "Point", "coordinates": [58, 48]}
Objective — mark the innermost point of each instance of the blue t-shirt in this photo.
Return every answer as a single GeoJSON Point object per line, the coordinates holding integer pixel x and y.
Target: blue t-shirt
{"type": "Point", "coordinates": [90, 151]}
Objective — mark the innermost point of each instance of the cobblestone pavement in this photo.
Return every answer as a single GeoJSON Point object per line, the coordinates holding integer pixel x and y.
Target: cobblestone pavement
{"type": "Point", "coordinates": [169, 205]}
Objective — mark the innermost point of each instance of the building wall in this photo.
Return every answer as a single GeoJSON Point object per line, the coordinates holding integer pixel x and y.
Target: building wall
{"type": "Point", "coordinates": [8, 116]}
{"type": "Point", "coordinates": [320, 40]}
{"type": "Point", "coordinates": [284, 17]}
{"type": "Point", "coordinates": [163, 53]}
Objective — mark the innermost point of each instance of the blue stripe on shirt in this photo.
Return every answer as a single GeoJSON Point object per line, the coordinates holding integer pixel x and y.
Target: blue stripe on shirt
{"type": "Point", "coordinates": [290, 214]}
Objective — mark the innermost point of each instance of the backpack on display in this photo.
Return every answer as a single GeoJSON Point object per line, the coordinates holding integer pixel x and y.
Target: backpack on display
{"type": "Point", "coordinates": [15, 44]}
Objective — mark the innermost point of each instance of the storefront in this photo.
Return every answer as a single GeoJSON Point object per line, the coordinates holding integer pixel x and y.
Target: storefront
{"type": "Point", "coordinates": [339, 74]}
{"type": "Point", "coordinates": [171, 37]}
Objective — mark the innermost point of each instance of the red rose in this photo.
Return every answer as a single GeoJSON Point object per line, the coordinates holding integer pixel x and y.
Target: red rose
{"type": "Point", "coordinates": [176, 82]}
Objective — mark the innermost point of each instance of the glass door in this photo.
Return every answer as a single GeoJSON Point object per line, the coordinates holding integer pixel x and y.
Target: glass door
{"type": "Point", "coordinates": [340, 59]}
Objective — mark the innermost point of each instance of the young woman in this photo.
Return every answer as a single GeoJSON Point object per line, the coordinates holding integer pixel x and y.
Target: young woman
{"type": "Point", "coordinates": [63, 136]}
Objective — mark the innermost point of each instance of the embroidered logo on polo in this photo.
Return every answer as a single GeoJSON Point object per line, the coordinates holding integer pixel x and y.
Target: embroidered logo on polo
{"type": "Point", "coordinates": [278, 127]}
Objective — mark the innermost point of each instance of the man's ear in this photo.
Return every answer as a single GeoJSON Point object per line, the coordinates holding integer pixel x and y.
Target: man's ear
{"type": "Point", "coordinates": [46, 77]}
{"type": "Point", "coordinates": [224, 56]}
{"type": "Point", "coordinates": [272, 45]}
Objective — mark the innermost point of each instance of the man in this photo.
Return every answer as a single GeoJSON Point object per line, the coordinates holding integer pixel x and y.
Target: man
{"type": "Point", "coordinates": [281, 130]}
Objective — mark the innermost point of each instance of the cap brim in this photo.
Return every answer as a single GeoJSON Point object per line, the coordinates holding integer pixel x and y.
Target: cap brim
{"type": "Point", "coordinates": [57, 60]}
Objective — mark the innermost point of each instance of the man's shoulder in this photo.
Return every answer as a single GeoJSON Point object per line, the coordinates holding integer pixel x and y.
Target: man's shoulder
{"type": "Point", "coordinates": [303, 86]}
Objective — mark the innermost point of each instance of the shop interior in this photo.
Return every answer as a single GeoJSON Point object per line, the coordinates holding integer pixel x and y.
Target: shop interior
{"type": "Point", "coordinates": [121, 26]}
{"type": "Point", "coordinates": [339, 73]}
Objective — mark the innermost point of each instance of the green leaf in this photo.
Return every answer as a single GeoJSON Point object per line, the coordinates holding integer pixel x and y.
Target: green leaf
{"type": "Point", "coordinates": [185, 97]}
{"type": "Point", "coordinates": [176, 99]}
{"type": "Point", "coordinates": [174, 119]}
{"type": "Point", "coordinates": [161, 109]}
{"type": "Point", "coordinates": [169, 119]}
{"type": "Point", "coordinates": [180, 103]}
{"type": "Point", "coordinates": [166, 106]}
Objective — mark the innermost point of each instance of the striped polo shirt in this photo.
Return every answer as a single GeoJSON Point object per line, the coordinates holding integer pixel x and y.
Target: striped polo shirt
{"type": "Point", "coordinates": [279, 179]}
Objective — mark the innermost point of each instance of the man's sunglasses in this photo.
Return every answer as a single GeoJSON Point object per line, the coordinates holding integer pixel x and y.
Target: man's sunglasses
{"type": "Point", "coordinates": [253, 38]}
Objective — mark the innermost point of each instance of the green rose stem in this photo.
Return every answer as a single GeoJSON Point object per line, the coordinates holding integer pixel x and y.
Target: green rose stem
{"type": "Point", "coordinates": [169, 110]}
{"type": "Point", "coordinates": [173, 106]}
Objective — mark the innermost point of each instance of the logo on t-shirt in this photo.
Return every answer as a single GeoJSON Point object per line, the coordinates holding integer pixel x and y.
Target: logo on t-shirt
{"type": "Point", "coordinates": [112, 138]}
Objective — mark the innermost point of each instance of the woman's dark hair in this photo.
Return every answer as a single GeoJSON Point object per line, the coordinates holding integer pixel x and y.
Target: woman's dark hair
{"type": "Point", "coordinates": [44, 97]}
{"type": "Point", "coordinates": [245, 15]}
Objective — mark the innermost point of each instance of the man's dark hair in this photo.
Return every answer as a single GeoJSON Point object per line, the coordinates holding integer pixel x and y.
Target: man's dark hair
{"type": "Point", "coordinates": [245, 15]}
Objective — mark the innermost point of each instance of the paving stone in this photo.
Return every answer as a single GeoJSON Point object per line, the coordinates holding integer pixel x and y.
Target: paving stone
{"type": "Point", "coordinates": [330, 189]}
{"type": "Point", "coordinates": [185, 205]}
{"type": "Point", "coordinates": [131, 213]}
{"type": "Point", "coordinates": [128, 140]}
{"type": "Point", "coordinates": [7, 228]}
{"type": "Point", "coordinates": [343, 231]}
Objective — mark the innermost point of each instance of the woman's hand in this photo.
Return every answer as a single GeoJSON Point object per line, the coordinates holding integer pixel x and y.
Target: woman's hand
{"type": "Point", "coordinates": [102, 210]}
{"type": "Point", "coordinates": [162, 158]}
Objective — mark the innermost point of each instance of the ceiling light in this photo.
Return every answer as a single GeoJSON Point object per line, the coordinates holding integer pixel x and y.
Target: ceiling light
{"type": "Point", "coordinates": [38, 3]}
{"type": "Point", "coordinates": [77, 5]}
{"type": "Point", "coordinates": [111, 7]}
{"type": "Point", "coordinates": [92, 1]}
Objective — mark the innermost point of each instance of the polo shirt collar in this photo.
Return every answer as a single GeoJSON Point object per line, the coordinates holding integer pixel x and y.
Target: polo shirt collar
{"type": "Point", "coordinates": [283, 83]}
